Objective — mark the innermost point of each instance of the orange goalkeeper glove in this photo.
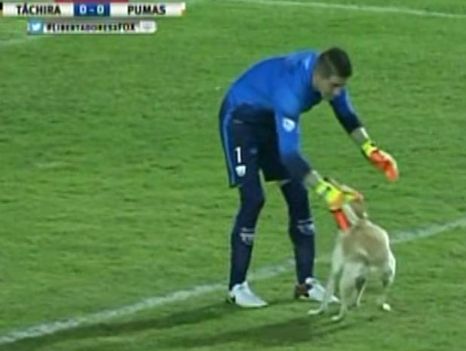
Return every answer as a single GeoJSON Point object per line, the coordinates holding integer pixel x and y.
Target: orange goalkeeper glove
{"type": "Point", "coordinates": [381, 159]}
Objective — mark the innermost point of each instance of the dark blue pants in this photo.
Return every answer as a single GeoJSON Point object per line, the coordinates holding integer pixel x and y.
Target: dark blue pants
{"type": "Point", "coordinates": [249, 150]}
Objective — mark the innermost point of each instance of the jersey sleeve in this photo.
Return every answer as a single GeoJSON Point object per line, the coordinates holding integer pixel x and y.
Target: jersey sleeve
{"type": "Point", "coordinates": [289, 146]}
{"type": "Point", "coordinates": [344, 111]}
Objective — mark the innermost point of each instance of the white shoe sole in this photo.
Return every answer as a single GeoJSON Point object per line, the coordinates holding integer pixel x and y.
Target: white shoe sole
{"type": "Point", "coordinates": [233, 301]}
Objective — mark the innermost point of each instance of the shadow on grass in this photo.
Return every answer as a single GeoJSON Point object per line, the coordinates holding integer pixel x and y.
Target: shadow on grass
{"type": "Point", "coordinates": [188, 317]}
{"type": "Point", "coordinates": [286, 332]}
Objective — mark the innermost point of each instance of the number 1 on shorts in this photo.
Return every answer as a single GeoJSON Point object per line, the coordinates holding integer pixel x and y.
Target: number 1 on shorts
{"type": "Point", "coordinates": [238, 154]}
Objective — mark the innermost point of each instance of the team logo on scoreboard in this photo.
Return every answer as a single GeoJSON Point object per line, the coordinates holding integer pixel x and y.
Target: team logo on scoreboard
{"type": "Point", "coordinates": [148, 26]}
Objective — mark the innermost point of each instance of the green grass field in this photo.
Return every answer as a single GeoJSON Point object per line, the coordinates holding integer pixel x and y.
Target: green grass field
{"type": "Point", "coordinates": [113, 187]}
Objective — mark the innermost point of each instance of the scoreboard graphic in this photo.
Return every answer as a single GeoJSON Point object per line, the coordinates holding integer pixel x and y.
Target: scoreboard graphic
{"type": "Point", "coordinates": [91, 17]}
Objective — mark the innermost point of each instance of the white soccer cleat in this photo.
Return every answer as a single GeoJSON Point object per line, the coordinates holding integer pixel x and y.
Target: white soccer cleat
{"type": "Point", "coordinates": [312, 290]}
{"type": "Point", "coordinates": [241, 295]}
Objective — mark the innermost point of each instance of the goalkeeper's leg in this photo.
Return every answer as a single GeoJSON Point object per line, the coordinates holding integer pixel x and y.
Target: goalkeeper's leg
{"type": "Point", "coordinates": [240, 144]}
{"type": "Point", "coordinates": [302, 233]}
{"type": "Point", "coordinates": [301, 228]}
{"type": "Point", "coordinates": [242, 241]}
{"type": "Point", "coordinates": [242, 236]}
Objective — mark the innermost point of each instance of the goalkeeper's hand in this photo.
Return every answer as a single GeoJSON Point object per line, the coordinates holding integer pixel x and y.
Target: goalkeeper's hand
{"type": "Point", "coordinates": [381, 160]}
{"type": "Point", "coordinates": [334, 194]}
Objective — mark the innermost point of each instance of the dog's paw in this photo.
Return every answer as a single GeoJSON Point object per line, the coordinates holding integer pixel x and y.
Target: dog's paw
{"type": "Point", "coordinates": [386, 307]}
{"type": "Point", "coordinates": [315, 312]}
{"type": "Point", "coordinates": [337, 318]}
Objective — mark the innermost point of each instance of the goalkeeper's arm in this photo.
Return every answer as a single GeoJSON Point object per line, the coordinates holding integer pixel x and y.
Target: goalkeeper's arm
{"type": "Point", "coordinates": [346, 115]}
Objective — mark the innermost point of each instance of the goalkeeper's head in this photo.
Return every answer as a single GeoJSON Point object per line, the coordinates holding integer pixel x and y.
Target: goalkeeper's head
{"type": "Point", "coordinates": [331, 72]}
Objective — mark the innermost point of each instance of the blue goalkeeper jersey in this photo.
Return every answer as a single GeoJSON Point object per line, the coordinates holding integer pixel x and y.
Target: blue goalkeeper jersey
{"type": "Point", "coordinates": [278, 90]}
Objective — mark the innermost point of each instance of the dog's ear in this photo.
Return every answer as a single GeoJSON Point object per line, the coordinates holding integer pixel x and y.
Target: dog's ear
{"type": "Point", "coordinates": [351, 194]}
{"type": "Point", "coordinates": [359, 208]}
{"type": "Point", "coordinates": [355, 210]}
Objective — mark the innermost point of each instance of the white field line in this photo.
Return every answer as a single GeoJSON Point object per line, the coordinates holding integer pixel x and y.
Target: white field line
{"type": "Point", "coordinates": [48, 328]}
{"type": "Point", "coordinates": [357, 7]}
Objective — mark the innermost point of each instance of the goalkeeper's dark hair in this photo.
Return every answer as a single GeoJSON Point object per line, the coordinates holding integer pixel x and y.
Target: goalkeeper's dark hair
{"type": "Point", "coordinates": [334, 61]}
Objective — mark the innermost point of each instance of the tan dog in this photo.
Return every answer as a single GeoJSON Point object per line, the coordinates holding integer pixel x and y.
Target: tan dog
{"type": "Point", "coordinates": [363, 248]}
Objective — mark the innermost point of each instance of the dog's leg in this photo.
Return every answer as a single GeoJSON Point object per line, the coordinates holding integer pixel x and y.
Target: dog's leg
{"type": "Point", "coordinates": [335, 272]}
{"type": "Point", "coordinates": [360, 286]}
{"type": "Point", "coordinates": [329, 290]}
{"type": "Point", "coordinates": [360, 283]}
{"type": "Point", "coordinates": [387, 277]}
{"type": "Point", "coordinates": [347, 288]}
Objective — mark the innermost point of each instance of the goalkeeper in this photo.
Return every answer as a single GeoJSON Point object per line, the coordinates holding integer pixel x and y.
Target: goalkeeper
{"type": "Point", "coordinates": [259, 127]}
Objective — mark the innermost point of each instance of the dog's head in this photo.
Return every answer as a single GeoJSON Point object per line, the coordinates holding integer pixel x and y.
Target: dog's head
{"type": "Point", "coordinates": [354, 206]}
{"type": "Point", "coordinates": [355, 209]}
